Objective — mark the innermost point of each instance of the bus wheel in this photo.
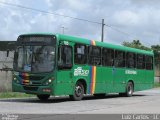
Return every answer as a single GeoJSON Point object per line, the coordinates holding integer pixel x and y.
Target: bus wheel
{"type": "Point", "coordinates": [78, 92]}
{"type": "Point", "coordinates": [129, 89]}
{"type": "Point", "coordinates": [43, 97]}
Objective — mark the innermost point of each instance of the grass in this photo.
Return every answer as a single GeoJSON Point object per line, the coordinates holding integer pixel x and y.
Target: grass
{"type": "Point", "coordinates": [14, 95]}
{"type": "Point", "coordinates": [156, 85]}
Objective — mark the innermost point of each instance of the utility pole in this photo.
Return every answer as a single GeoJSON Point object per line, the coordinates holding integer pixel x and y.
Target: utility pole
{"type": "Point", "coordinates": [63, 29]}
{"type": "Point", "coordinates": [102, 37]}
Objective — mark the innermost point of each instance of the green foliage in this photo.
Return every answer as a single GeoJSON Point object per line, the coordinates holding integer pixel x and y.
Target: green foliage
{"type": "Point", "coordinates": [14, 95]}
{"type": "Point", "coordinates": [156, 85]}
{"type": "Point", "coordinates": [136, 44]}
{"type": "Point", "coordinates": [156, 50]}
{"type": "Point", "coordinates": [7, 45]}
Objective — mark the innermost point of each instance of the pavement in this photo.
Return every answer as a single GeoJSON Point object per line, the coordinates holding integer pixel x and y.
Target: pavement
{"type": "Point", "coordinates": [142, 102]}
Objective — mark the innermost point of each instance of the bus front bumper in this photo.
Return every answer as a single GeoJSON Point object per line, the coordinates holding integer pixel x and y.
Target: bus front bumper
{"type": "Point", "coordinates": [31, 89]}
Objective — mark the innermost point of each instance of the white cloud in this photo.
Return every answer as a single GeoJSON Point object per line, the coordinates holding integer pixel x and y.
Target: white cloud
{"type": "Point", "coordinates": [136, 17]}
{"type": "Point", "coordinates": [49, 3]}
{"type": "Point", "coordinates": [127, 17]}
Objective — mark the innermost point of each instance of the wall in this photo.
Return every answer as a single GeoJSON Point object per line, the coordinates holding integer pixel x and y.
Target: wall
{"type": "Point", "coordinates": [157, 70]}
{"type": "Point", "coordinates": [5, 76]}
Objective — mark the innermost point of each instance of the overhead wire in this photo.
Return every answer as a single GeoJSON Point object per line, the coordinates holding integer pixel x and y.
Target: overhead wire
{"type": "Point", "coordinates": [46, 12]}
{"type": "Point", "coordinates": [128, 34]}
{"type": "Point", "coordinates": [67, 16]}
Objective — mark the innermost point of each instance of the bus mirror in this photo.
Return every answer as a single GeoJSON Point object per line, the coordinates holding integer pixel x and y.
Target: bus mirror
{"type": "Point", "coordinates": [7, 55]}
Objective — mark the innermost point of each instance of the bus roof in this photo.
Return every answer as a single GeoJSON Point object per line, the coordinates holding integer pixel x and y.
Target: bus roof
{"type": "Point", "coordinates": [97, 43]}
{"type": "Point", "coordinates": [103, 44]}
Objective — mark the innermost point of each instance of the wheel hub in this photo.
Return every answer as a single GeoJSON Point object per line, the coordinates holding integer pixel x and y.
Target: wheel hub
{"type": "Point", "coordinates": [78, 90]}
{"type": "Point", "coordinates": [130, 90]}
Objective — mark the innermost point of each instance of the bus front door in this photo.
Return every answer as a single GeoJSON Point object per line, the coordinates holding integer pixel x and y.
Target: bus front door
{"type": "Point", "coordinates": [64, 75]}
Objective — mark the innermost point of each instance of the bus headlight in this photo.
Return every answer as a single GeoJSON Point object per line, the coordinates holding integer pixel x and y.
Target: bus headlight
{"type": "Point", "coordinates": [50, 80]}
{"type": "Point", "coordinates": [16, 80]}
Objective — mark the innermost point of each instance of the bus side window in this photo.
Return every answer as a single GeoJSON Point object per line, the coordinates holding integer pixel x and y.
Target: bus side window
{"type": "Point", "coordinates": [107, 57]}
{"type": "Point", "coordinates": [119, 60]}
{"type": "Point", "coordinates": [80, 54]}
{"type": "Point", "coordinates": [140, 61]}
{"type": "Point", "coordinates": [130, 60]}
{"type": "Point", "coordinates": [94, 55]}
{"type": "Point", "coordinates": [149, 62]}
{"type": "Point", "coordinates": [65, 57]}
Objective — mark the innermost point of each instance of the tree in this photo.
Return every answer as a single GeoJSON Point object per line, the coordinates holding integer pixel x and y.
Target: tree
{"type": "Point", "coordinates": [136, 44]}
{"type": "Point", "coordinates": [156, 50]}
{"type": "Point", "coordinates": [7, 45]}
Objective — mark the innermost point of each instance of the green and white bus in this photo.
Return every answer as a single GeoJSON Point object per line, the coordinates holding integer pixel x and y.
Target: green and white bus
{"type": "Point", "coordinates": [48, 64]}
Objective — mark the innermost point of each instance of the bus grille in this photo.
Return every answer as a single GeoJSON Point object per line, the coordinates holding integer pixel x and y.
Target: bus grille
{"type": "Point", "coordinates": [32, 77]}
{"type": "Point", "coordinates": [36, 77]}
{"type": "Point", "coordinates": [30, 88]}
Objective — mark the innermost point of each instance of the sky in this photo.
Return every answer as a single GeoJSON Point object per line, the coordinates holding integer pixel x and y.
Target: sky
{"type": "Point", "coordinates": [125, 20]}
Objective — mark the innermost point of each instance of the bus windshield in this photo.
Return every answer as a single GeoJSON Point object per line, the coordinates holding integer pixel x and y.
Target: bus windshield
{"type": "Point", "coordinates": [34, 59]}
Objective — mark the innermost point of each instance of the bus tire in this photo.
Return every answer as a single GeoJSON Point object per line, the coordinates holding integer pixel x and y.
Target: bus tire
{"type": "Point", "coordinates": [78, 92]}
{"type": "Point", "coordinates": [129, 89]}
{"type": "Point", "coordinates": [43, 97]}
